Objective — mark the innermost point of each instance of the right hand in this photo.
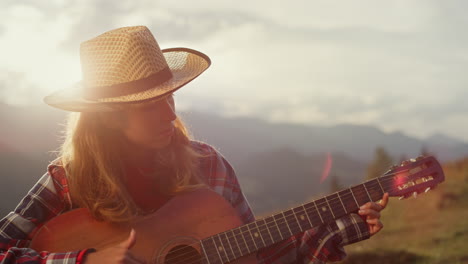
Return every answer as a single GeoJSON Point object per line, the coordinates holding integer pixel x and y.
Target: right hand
{"type": "Point", "coordinates": [118, 254]}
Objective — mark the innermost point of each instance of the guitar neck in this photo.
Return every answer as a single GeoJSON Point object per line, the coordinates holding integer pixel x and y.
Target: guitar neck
{"type": "Point", "coordinates": [251, 237]}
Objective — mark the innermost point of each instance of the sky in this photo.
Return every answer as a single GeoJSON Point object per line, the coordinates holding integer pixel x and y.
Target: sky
{"type": "Point", "coordinates": [397, 65]}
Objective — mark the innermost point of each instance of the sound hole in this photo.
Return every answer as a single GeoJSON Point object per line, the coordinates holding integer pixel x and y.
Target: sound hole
{"type": "Point", "coordinates": [183, 255]}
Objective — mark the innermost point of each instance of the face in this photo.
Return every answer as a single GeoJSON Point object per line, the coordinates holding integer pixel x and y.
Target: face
{"type": "Point", "coordinates": [151, 126]}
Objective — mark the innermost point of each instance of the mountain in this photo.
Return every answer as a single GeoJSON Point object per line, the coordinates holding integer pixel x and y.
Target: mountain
{"type": "Point", "coordinates": [441, 140]}
{"type": "Point", "coordinates": [283, 177]}
{"type": "Point", "coordinates": [18, 174]}
{"type": "Point", "coordinates": [30, 130]}
{"type": "Point", "coordinates": [241, 137]}
{"type": "Point", "coordinates": [277, 164]}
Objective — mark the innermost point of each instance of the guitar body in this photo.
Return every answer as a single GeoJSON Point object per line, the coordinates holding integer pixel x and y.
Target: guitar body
{"type": "Point", "coordinates": [173, 234]}
{"type": "Point", "coordinates": [162, 237]}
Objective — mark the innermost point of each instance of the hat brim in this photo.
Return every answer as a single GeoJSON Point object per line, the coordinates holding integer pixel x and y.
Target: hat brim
{"type": "Point", "coordinates": [185, 65]}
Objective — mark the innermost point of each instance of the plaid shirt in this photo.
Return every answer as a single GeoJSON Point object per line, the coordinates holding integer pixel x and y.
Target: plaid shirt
{"type": "Point", "coordinates": [49, 198]}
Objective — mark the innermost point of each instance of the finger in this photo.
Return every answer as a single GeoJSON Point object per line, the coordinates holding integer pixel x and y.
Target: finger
{"type": "Point", "coordinates": [369, 213]}
{"type": "Point", "coordinates": [130, 241]}
{"type": "Point", "coordinates": [375, 225]}
{"type": "Point", "coordinates": [372, 206]}
{"type": "Point", "coordinates": [384, 200]}
{"type": "Point", "coordinates": [373, 221]}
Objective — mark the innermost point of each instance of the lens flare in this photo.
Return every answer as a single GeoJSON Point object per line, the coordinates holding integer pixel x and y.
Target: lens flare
{"type": "Point", "coordinates": [327, 168]}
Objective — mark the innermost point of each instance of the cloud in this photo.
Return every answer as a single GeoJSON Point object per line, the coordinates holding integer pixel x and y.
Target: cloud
{"type": "Point", "coordinates": [16, 90]}
{"type": "Point", "coordinates": [393, 64]}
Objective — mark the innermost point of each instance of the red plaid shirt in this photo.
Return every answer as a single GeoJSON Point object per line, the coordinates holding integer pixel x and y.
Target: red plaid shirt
{"type": "Point", "coordinates": [49, 198]}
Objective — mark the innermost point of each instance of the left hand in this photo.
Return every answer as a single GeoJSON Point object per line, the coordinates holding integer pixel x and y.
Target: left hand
{"type": "Point", "coordinates": [370, 212]}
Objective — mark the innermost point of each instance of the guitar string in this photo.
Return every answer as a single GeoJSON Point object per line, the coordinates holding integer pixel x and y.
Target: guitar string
{"type": "Point", "coordinates": [224, 253]}
{"type": "Point", "coordinates": [386, 178]}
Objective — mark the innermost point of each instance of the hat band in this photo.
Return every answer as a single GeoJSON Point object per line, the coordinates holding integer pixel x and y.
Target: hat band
{"type": "Point", "coordinates": [121, 89]}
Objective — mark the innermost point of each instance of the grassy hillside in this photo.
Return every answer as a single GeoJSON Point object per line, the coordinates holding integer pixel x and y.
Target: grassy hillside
{"type": "Point", "coordinates": [430, 229]}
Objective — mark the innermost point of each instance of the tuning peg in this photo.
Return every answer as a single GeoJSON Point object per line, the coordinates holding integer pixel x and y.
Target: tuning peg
{"type": "Point", "coordinates": [412, 160]}
{"type": "Point", "coordinates": [415, 194]}
{"type": "Point", "coordinates": [427, 189]}
{"type": "Point", "coordinates": [404, 197]}
{"type": "Point", "coordinates": [420, 157]}
{"type": "Point", "coordinates": [405, 162]}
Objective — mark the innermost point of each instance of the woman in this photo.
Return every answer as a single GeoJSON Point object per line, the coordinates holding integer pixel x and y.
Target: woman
{"type": "Point", "coordinates": [126, 154]}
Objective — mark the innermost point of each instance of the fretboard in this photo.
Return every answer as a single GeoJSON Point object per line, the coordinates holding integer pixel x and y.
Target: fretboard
{"type": "Point", "coordinates": [232, 244]}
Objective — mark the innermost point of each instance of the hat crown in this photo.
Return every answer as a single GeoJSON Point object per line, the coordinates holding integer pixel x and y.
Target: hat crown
{"type": "Point", "coordinates": [120, 56]}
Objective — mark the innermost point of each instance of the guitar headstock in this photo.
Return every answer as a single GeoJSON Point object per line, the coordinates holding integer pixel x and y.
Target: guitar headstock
{"type": "Point", "coordinates": [413, 176]}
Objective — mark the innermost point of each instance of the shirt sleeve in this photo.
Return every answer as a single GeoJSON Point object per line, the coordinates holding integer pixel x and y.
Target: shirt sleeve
{"type": "Point", "coordinates": [221, 177]}
{"type": "Point", "coordinates": [41, 204]}
{"type": "Point", "coordinates": [318, 245]}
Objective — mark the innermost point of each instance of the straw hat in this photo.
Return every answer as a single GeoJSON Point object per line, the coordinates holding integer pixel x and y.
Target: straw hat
{"type": "Point", "coordinates": [126, 65]}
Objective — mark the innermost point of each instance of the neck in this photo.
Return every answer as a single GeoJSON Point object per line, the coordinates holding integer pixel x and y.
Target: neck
{"type": "Point", "coordinates": [264, 232]}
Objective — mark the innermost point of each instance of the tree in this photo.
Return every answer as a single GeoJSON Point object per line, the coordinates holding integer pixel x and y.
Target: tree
{"type": "Point", "coordinates": [381, 163]}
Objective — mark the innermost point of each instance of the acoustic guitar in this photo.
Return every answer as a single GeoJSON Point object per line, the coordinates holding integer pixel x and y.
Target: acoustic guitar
{"type": "Point", "coordinates": [202, 227]}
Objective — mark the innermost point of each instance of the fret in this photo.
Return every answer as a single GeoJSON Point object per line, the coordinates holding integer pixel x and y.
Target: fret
{"type": "Point", "coordinates": [291, 221]}
{"type": "Point", "coordinates": [221, 248]}
{"type": "Point", "coordinates": [204, 253]}
{"type": "Point", "coordinates": [318, 212]}
{"type": "Point", "coordinates": [359, 194]}
{"type": "Point", "coordinates": [368, 195]}
{"type": "Point", "coordinates": [254, 236]}
{"type": "Point", "coordinates": [322, 205]}
{"type": "Point", "coordinates": [267, 236]}
{"type": "Point", "coordinates": [283, 225]}
{"type": "Point", "coordinates": [260, 233]}
{"type": "Point", "coordinates": [279, 230]}
{"type": "Point", "coordinates": [374, 191]}
{"type": "Point", "coordinates": [331, 210]}
{"type": "Point", "coordinates": [378, 181]}
{"type": "Point", "coordinates": [313, 212]}
{"type": "Point", "coordinates": [230, 247]}
{"type": "Point", "coordinates": [301, 218]}
{"type": "Point", "coordinates": [305, 212]}
{"type": "Point", "coordinates": [217, 251]}
{"type": "Point", "coordinates": [350, 201]}
{"type": "Point", "coordinates": [274, 229]}
{"type": "Point", "coordinates": [354, 198]}
{"type": "Point", "coordinates": [237, 243]}
{"type": "Point", "coordinates": [212, 254]}
{"type": "Point", "coordinates": [344, 207]}
{"type": "Point", "coordinates": [267, 231]}
{"type": "Point", "coordinates": [244, 248]}
{"type": "Point", "coordinates": [286, 223]}
{"type": "Point", "coordinates": [336, 206]}
{"type": "Point", "coordinates": [248, 238]}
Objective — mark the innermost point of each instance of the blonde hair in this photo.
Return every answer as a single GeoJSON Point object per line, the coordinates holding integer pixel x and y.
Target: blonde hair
{"type": "Point", "coordinates": [91, 155]}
